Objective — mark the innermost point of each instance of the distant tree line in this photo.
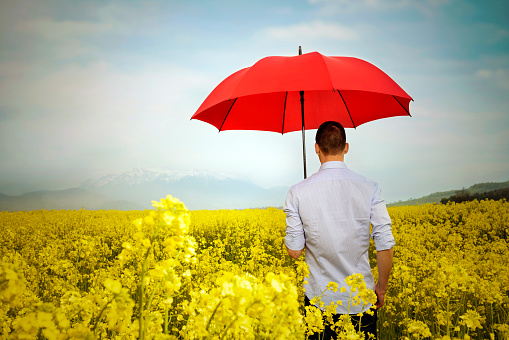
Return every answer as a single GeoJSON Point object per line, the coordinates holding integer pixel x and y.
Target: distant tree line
{"type": "Point", "coordinates": [465, 196]}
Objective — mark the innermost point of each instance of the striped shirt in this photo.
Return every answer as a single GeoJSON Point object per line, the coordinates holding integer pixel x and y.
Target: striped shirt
{"type": "Point", "coordinates": [329, 214]}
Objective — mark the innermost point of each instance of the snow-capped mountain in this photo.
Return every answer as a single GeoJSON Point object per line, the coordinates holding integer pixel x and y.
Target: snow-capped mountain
{"type": "Point", "coordinates": [197, 189]}
{"type": "Point", "coordinates": [140, 175]}
{"type": "Point", "coordinates": [136, 189]}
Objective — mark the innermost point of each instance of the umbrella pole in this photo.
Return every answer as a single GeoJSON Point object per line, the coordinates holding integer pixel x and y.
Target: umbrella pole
{"type": "Point", "coordinates": [303, 132]}
{"type": "Point", "coordinates": [303, 127]}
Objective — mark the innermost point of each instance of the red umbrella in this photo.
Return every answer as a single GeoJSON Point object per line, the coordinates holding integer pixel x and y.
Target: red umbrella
{"type": "Point", "coordinates": [274, 93]}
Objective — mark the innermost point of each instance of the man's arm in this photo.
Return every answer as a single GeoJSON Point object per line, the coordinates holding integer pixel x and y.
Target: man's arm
{"type": "Point", "coordinates": [294, 253]}
{"type": "Point", "coordinates": [294, 230]}
{"type": "Point", "coordinates": [384, 262]}
{"type": "Point", "coordinates": [384, 243]}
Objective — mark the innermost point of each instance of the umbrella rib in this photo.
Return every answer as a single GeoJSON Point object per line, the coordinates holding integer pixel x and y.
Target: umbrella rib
{"type": "Point", "coordinates": [343, 99]}
{"type": "Point", "coordinates": [284, 113]}
{"type": "Point", "coordinates": [328, 72]}
{"type": "Point", "coordinates": [227, 114]}
{"type": "Point", "coordinates": [402, 106]}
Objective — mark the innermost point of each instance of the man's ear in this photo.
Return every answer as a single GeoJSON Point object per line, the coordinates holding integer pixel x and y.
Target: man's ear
{"type": "Point", "coordinates": [347, 147]}
{"type": "Point", "coordinates": [317, 148]}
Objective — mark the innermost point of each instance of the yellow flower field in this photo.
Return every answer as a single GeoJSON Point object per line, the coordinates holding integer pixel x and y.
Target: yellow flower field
{"type": "Point", "coordinates": [169, 273]}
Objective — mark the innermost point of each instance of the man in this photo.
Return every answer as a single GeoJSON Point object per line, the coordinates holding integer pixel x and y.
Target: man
{"type": "Point", "coordinates": [329, 215]}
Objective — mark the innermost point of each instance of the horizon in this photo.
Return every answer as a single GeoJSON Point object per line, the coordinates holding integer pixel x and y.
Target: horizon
{"type": "Point", "coordinates": [96, 88]}
{"type": "Point", "coordinates": [90, 186]}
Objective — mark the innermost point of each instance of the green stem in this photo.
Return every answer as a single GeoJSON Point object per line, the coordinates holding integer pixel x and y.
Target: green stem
{"type": "Point", "coordinates": [447, 315]}
{"type": "Point", "coordinates": [149, 304]}
{"type": "Point", "coordinates": [187, 326]}
{"type": "Point", "coordinates": [166, 319]}
{"type": "Point", "coordinates": [227, 328]}
{"type": "Point", "coordinates": [349, 301]}
{"type": "Point", "coordinates": [142, 293]}
{"type": "Point", "coordinates": [360, 321]}
{"type": "Point", "coordinates": [212, 316]}
{"type": "Point", "coordinates": [279, 324]}
{"type": "Point", "coordinates": [492, 321]}
{"type": "Point", "coordinates": [404, 285]}
{"type": "Point", "coordinates": [100, 314]}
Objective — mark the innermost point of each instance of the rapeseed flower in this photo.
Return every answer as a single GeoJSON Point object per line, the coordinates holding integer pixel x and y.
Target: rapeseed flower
{"type": "Point", "coordinates": [62, 269]}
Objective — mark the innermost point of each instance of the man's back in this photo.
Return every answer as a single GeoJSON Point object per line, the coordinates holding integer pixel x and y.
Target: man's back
{"type": "Point", "coordinates": [330, 214]}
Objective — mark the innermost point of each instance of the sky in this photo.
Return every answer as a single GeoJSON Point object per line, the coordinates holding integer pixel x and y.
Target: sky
{"type": "Point", "coordinates": [89, 88]}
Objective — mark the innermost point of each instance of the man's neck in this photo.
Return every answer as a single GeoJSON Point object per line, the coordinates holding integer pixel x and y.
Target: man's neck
{"type": "Point", "coordinates": [332, 158]}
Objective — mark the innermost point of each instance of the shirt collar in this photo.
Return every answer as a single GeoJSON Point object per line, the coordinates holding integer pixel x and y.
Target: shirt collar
{"type": "Point", "coordinates": [333, 165]}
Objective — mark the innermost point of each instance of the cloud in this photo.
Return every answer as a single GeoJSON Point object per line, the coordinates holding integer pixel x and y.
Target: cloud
{"type": "Point", "coordinates": [311, 31]}
{"type": "Point", "coordinates": [95, 116]}
{"type": "Point", "coordinates": [332, 7]}
{"type": "Point", "coordinates": [52, 30]}
{"type": "Point", "coordinates": [12, 69]}
{"type": "Point", "coordinates": [498, 77]}
{"type": "Point", "coordinates": [67, 38]}
{"type": "Point", "coordinates": [96, 88]}
{"type": "Point", "coordinates": [498, 35]}
{"type": "Point", "coordinates": [489, 73]}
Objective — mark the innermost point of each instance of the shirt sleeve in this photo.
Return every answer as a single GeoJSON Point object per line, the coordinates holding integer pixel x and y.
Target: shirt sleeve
{"type": "Point", "coordinates": [381, 222]}
{"type": "Point", "coordinates": [294, 239]}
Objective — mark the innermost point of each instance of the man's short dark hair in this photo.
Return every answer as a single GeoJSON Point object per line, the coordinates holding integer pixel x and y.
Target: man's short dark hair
{"type": "Point", "coordinates": [331, 138]}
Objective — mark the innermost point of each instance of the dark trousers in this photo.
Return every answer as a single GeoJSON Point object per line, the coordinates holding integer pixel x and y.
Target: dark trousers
{"type": "Point", "coordinates": [368, 325]}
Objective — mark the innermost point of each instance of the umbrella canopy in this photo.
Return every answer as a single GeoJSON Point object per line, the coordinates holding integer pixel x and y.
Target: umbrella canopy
{"type": "Point", "coordinates": [284, 94]}
{"type": "Point", "coordinates": [266, 96]}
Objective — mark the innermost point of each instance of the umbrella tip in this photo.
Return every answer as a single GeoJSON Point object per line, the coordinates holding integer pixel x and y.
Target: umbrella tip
{"type": "Point", "coordinates": [300, 50]}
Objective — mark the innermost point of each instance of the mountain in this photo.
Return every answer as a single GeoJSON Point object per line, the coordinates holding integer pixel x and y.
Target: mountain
{"type": "Point", "coordinates": [136, 189]}
{"type": "Point", "coordinates": [438, 196]}
{"type": "Point", "coordinates": [69, 199]}
{"type": "Point", "coordinates": [197, 189]}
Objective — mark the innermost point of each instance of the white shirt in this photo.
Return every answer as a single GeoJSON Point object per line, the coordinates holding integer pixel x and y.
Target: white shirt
{"type": "Point", "coordinates": [329, 214]}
